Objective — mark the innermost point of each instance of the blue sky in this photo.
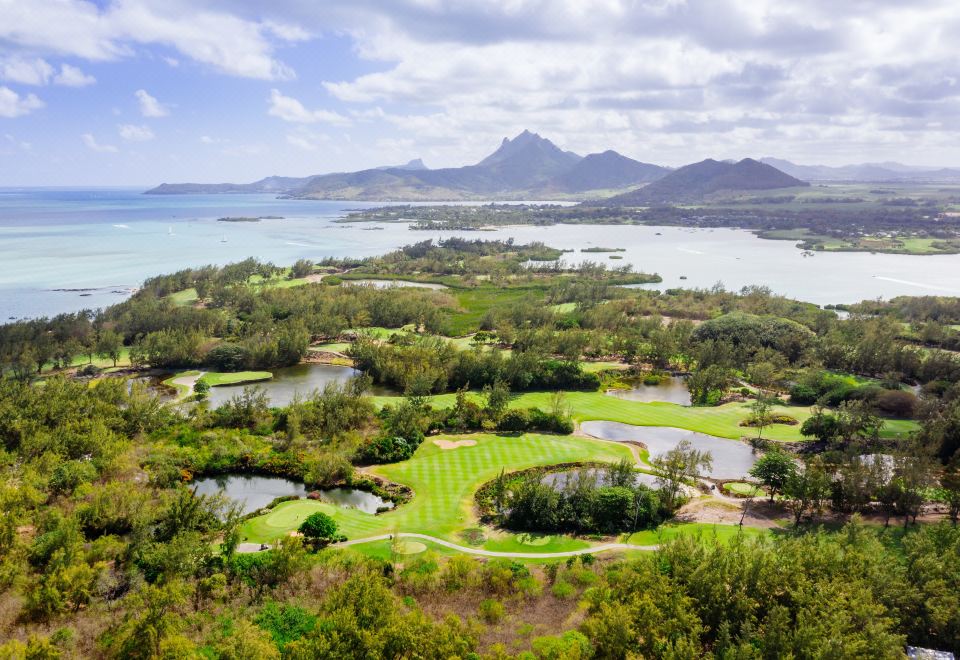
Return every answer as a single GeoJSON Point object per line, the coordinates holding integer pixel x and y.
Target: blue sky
{"type": "Point", "coordinates": [135, 92]}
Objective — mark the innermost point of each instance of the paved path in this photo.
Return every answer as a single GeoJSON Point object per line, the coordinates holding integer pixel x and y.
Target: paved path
{"type": "Point", "coordinates": [254, 547]}
{"type": "Point", "coordinates": [188, 382]}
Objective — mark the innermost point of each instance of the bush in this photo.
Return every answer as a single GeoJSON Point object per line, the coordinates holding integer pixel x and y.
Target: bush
{"type": "Point", "coordinates": [803, 395]}
{"type": "Point", "coordinates": [514, 421]}
{"type": "Point", "coordinates": [228, 356]}
{"type": "Point", "coordinates": [898, 403]}
{"type": "Point", "coordinates": [388, 449]}
{"type": "Point", "coordinates": [320, 530]}
{"type": "Point", "coordinates": [563, 589]}
{"type": "Point", "coordinates": [492, 610]}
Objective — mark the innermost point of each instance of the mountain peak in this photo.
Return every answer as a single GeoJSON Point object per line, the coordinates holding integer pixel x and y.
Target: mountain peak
{"type": "Point", "coordinates": [696, 181]}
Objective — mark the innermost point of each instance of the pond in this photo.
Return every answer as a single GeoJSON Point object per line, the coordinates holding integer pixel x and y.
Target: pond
{"type": "Point", "coordinates": [255, 492]}
{"type": "Point", "coordinates": [287, 382]}
{"type": "Point", "coordinates": [560, 479]}
{"type": "Point", "coordinates": [351, 498]}
{"type": "Point", "coordinates": [251, 491]}
{"type": "Point", "coordinates": [732, 459]}
{"type": "Point", "coordinates": [671, 390]}
{"type": "Point", "coordinates": [153, 385]}
{"type": "Point", "coordinates": [390, 284]}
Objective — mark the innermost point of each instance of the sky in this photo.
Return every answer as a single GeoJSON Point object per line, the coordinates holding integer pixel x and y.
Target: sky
{"type": "Point", "coordinates": [138, 92]}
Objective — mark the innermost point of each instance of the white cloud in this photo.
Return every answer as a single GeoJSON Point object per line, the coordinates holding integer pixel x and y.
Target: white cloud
{"type": "Point", "coordinates": [14, 105]}
{"type": "Point", "coordinates": [149, 106]}
{"type": "Point", "coordinates": [71, 76]}
{"type": "Point", "coordinates": [135, 133]}
{"type": "Point", "coordinates": [93, 145]}
{"type": "Point", "coordinates": [210, 36]}
{"type": "Point", "coordinates": [290, 109]}
{"type": "Point", "coordinates": [25, 71]}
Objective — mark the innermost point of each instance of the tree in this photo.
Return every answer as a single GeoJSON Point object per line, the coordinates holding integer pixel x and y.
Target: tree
{"type": "Point", "coordinates": [858, 420]}
{"type": "Point", "coordinates": [950, 482]}
{"type": "Point", "coordinates": [760, 412]}
{"type": "Point", "coordinates": [708, 385]}
{"type": "Point", "coordinates": [821, 425]}
{"type": "Point", "coordinates": [301, 268]}
{"type": "Point", "coordinates": [806, 490]}
{"type": "Point", "coordinates": [677, 466]}
{"type": "Point", "coordinates": [319, 530]}
{"type": "Point", "coordinates": [498, 397]}
{"type": "Point", "coordinates": [773, 470]}
{"type": "Point", "coordinates": [110, 345]}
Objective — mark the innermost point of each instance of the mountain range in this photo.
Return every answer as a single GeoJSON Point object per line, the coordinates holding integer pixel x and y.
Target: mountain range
{"type": "Point", "coordinates": [888, 172]}
{"type": "Point", "coordinates": [528, 166]}
{"type": "Point", "coordinates": [699, 180]}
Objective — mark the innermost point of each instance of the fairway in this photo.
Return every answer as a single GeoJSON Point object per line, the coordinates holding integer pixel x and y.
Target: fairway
{"type": "Point", "coordinates": [721, 421]}
{"type": "Point", "coordinates": [443, 483]}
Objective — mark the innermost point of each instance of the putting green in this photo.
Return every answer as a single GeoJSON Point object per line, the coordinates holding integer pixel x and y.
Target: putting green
{"type": "Point", "coordinates": [410, 547]}
{"type": "Point", "coordinates": [444, 483]}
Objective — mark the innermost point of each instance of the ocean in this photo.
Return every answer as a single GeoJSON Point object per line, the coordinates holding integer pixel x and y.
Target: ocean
{"type": "Point", "coordinates": [64, 250]}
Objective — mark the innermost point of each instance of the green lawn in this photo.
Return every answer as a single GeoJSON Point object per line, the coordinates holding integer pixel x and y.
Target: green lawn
{"type": "Point", "coordinates": [743, 488]}
{"type": "Point", "coordinates": [707, 531]}
{"type": "Point", "coordinates": [213, 378]}
{"type": "Point", "coordinates": [184, 298]}
{"type": "Point", "coordinates": [444, 482]}
{"type": "Point", "coordinates": [477, 301]}
{"type": "Point", "coordinates": [721, 421]}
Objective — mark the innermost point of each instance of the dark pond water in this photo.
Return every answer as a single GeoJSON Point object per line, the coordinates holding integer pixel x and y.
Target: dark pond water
{"type": "Point", "coordinates": [255, 492]}
{"type": "Point", "coordinates": [154, 385]}
{"type": "Point", "coordinates": [732, 459]}
{"type": "Point", "coordinates": [561, 479]}
{"type": "Point", "coordinates": [351, 498]}
{"type": "Point", "coordinates": [673, 390]}
{"type": "Point", "coordinates": [287, 382]}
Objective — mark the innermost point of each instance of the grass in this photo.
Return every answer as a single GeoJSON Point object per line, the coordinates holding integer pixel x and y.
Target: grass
{"type": "Point", "coordinates": [334, 346]}
{"type": "Point", "coordinates": [213, 379]}
{"type": "Point", "coordinates": [184, 298]}
{"type": "Point", "coordinates": [721, 421]}
{"type": "Point", "coordinates": [182, 390]}
{"type": "Point", "coordinates": [477, 301]}
{"type": "Point", "coordinates": [443, 482]}
{"type": "Point", "coordinates": [742, 488]}
{"type": "Point", "coordinates": [706, 531]}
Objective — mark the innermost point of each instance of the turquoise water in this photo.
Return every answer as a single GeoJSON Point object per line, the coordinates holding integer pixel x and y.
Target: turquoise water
{"type": "Point", "coordinates": [103, 243]}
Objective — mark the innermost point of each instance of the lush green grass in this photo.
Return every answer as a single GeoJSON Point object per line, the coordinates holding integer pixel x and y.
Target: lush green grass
{"type": "Point", "coordinates": [213, 378]}
{"type": "Point", "coordinates": [721, 421]}
{"type": "Point", "coordinates": [707, 531]}
{"type": "Point", "coordinates": [335, 346]}
{"type": "Point", "coordinates": [743, 488]}
{"type": "Point", "coordinates": [594, 367]}
{"type": "Point", "coordinates": [564, 308]}
{"type": "Point", "coordinates": [444, 482]}
{"type": "Point", "coordinates": [477, 301]}
{"type": "Point", "coordinates": [184, 298]}
{"type": "Point", "coordinates": [182, 390]}
{"type": "Point", "coordinates": [533, 543]}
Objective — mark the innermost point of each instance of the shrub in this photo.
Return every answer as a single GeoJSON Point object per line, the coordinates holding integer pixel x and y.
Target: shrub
{"type": "Point", "coordinates": [319, 529]}
{"type": "Point", "coordinates": [898, 403]}
{"type": "Point", "coordinates": [514, 420]}
{"type": "Point", "coordinates": [563, 589]}
{"type": "Point", "coordinates": [492, 610]}
{"type": "Point", "coordinates": [228, 356]}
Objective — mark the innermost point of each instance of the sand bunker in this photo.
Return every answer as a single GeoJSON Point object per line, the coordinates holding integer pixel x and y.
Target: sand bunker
{"type": "Point", "coordinates": [453, 444]}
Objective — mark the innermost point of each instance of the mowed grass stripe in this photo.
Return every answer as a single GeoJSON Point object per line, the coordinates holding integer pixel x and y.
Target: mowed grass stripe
{"type": "Point", "coordinates": [721, 421]}
{"type": "Point", "coordinates": [443, 481]}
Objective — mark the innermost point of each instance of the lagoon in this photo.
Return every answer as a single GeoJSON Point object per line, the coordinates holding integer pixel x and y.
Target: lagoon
{"type": "Point", "coordinates": [287, 382]}
{"type": "Point", "coordinates": [67, 250]}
